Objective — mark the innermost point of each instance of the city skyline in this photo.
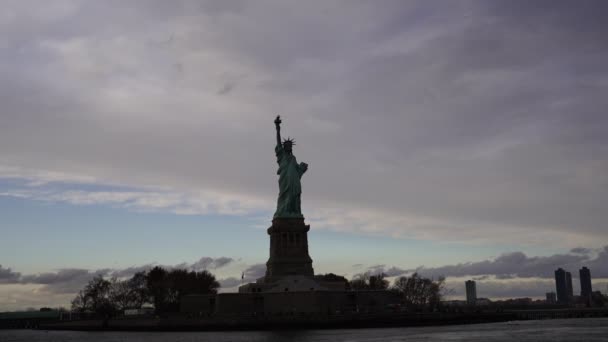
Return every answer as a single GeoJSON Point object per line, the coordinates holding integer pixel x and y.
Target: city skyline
{"type": "Point", "coordinates": [441, 140]}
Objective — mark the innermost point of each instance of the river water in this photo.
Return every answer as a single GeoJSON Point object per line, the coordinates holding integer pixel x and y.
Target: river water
{"type": "Point", "coordinates": [584, 330]}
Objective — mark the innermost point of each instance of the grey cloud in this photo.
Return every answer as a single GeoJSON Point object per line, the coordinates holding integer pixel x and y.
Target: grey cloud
{"type": "Point", "coordinates": [203, 263]}
{"type": "Point", "coordinates": [505, 276]}
{"type": "Point", "coordinates": [422, 104]}
{"type": "Point", "coordinates": [229, 282]}
{"type": "Point", "coordinates": [7, 276]}
{"type": "Point", "coordinates": [69, 280]}
{"type": "Point", "coordinates": [374, 267]}
{"type": "Point", "coordinates": [130, 271]}
{"type": "Point", "coordinates": [581, 250]}
{"type": "Point", "coordinates": [519, 265]}
{"type": "Point", "coordinates": [222, 261]}
{"type": "Point", "coordinates": [395, 271]}
{"type": "Point", "coordinates": [389, 272]}
{"type": "Point", "coordinates": [211, 263]}
{"type": "Point", "coordinates": [60, 276]}
{"type": "Point", "coordinates": [254, 272]}
{"type": "Point", "coordinates": [599, 265]}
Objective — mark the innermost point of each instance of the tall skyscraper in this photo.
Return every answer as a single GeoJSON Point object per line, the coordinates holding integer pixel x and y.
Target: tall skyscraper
{"type": "Point", "coordinates": [585, 276]}
{"type": "Point", "coordinates": [471, 292]}
{"type": "Point", "coordinates": [569, 289]}
{"type": "Point", "coordinates": [560, 286]}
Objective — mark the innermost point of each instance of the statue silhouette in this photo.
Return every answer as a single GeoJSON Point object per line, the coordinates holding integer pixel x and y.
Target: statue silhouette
{"type": "Point", "coordinates": [290, 173]}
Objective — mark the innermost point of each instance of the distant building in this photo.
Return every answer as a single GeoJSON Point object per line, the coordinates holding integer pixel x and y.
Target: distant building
{"type": "Point", "coordinates": [569, 289]}
{"type": "Point", "coordinates": [585, 276]}
{"type": "Point", "coordinates": [551, 298]}
{"type": "Point", "coordinates": [560, 286]}
{"type": "Point", "coordinates": [471, 292]}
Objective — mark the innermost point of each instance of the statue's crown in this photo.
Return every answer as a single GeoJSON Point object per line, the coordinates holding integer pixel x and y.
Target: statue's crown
{"type": "Point", "coordinates": [289, 141]}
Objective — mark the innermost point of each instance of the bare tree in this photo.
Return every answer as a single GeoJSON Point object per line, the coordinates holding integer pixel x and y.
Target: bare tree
{"type": "Point", "coordinates": [129, 294]}
{"type": "Point", "coordinates": [418, 291]}
{"type": "Point", "coordinates": [95, 297]}
{"type": "Point", "coordinates": [81, 302]}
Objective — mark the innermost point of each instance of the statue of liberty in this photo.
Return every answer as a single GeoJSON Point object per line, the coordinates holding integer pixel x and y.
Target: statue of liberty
{"type": "Point", "coordinates": [290, 172]}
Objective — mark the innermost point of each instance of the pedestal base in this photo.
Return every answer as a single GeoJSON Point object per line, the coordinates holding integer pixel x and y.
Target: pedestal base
{"type": "Point", "coordinates": [288, 249]}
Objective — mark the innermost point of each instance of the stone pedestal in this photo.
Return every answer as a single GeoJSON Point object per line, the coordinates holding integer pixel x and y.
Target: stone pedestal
{"type": "Point", "coordinates": [288, 249]}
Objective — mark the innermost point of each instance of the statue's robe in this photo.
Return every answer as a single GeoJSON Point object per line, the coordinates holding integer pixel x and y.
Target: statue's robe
{"type": "Point", "coordinates": [290, 189]}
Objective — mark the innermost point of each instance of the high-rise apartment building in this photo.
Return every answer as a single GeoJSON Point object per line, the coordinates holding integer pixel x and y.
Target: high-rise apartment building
{"type": "Point", "coordinates": [585, 276]}
{"type": "Point", "coordinates": [471, 292]}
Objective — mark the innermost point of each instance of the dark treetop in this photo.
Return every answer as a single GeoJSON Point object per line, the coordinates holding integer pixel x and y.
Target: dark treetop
{"type": "Point", "coordinates": [290, 172]}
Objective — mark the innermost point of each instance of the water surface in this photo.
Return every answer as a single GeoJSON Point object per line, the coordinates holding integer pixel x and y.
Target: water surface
{"type": "Point", "coordinates": [584, 330]}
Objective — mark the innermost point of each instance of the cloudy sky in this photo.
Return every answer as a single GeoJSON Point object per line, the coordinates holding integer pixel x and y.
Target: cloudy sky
{"type": "Point", "coordinates": [460, 138]}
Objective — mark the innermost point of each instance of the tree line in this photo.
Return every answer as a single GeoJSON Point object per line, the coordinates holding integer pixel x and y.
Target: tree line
{"type": "Point", "coordinates": [415, 291]}
{"type": "Point", "coordinates": [158, 286]}
{"type": "Point", "coordinates": [164, 288]}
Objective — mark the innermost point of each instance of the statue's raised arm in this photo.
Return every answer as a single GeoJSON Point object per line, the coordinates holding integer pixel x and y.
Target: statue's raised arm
{"type": "Point", "coordinates": [277, 123]}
